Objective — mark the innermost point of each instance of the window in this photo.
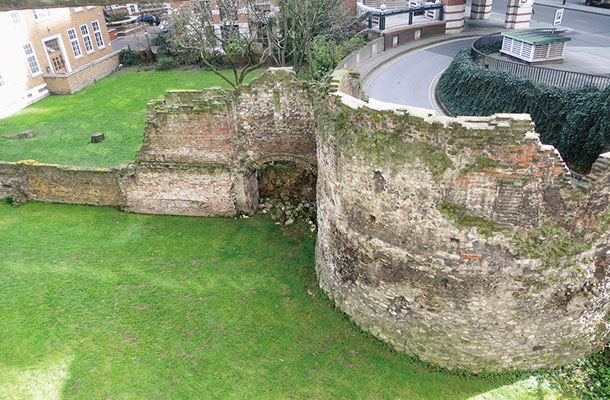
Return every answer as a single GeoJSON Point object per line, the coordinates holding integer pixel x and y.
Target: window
{"type": "Point", "coordinates": [16, 17]}
{"type": "Point", "coordinates": [32, 60]}
{"type": "Point", "coordinates": [90, 7]}
{"type": "Point", "coordinates": [84, 31]}
{"type": "Point", "coordinates": [74, 43]}
{"type": "Point", "coordinates": [99, 40]}
{"type": "Point", "coordinates": [78, 9]}
{"type": "Point", "coordinates": [41, 13]}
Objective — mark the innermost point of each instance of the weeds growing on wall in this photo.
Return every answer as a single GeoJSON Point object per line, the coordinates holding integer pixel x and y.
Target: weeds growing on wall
{"type": "Point", "coordinates": [575, 121]}
{"type": "Point", "coordinates": [587, 379]}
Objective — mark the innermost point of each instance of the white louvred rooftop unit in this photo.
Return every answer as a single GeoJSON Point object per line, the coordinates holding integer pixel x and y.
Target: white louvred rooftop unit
{"type": "Point", "coordinates": [532, 45]}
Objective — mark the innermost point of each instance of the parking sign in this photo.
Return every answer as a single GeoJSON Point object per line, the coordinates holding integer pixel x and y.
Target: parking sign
{"type": "Point", "coordinates": [558, 16]}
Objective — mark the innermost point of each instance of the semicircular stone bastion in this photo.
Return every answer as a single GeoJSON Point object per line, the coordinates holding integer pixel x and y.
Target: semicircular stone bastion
{"type": "Point", "coordinates": [460, 240]}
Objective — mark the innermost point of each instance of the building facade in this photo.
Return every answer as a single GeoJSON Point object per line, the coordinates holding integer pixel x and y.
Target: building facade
{"type": "Point", "coordinates": [57, 50]}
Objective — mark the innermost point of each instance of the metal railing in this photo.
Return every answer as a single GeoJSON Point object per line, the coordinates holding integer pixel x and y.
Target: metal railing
{"type": "Point", "coordinates": [377, 18]}
{"type": "Point", "coordinates": [549, 76]}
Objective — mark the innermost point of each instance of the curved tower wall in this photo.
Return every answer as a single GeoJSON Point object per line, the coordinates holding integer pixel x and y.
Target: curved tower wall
{"type": "Point", "coordinates": [459, 240]}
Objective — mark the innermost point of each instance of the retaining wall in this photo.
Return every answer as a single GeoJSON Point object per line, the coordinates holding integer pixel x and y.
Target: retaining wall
{"type": "Point", "coordinates": [372, 48]}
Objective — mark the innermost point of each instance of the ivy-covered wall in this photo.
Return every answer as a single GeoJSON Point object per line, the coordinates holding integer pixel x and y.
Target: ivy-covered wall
{"type": "Point", "coordinates": [575, 121]}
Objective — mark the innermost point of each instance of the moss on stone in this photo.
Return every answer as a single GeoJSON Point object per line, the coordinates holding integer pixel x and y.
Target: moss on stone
{"type": "Point", "coordinates": [276, 101]}
{"type": "Point", "coordinates": [549, 242]}
{"type": "Point", "coordinates": [385, 147]}
{"type": "Point", "coordinates": [480, 164]}
{"type": "Point", "coordinates": [603, 224]}
{"type": "Point", "coordinates": [463, 219]}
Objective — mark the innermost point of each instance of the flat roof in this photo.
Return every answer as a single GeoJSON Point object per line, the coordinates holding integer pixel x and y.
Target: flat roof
{"type": "Point", "coordinates": [534, 36]}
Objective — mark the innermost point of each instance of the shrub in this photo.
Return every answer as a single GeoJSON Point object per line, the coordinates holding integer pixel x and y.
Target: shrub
{"type": "Point", "coordinates": [166, 63]}
{"type": "Point", "coordinates": [165, 47]}
{"type": "Point", "coordinates": [7, 200]}
{"type": "Point", "coordinates": [575, 121]}
{"type": "Point", "coordinates": [129, 57]}
{"type": "Point", "coordinates": [113, 16]}
{"type": "Point", "coordinates": [321, 49]}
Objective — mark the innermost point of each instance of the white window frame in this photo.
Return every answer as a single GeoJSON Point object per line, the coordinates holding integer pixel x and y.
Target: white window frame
{"type": "Point", "coordinates": [90, 7]}
{"type": "Point", "coordinates": [78, 9]}
{"type": "Point", "coordinates": [75, 44]}
{"type": "Point", "coordinates": [41, 14]}
{"type": "Point", "coordinates": [16, 17]}
{"type": "Point", "coordinates": [97, 34]}
{"type": "Point", "coordinates": [27, 59]}
{"type": "Point", "coordinates": [88, 36]}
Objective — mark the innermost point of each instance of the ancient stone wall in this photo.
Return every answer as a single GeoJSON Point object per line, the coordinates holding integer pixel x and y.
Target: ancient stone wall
{"type": "Point", "coordinates": [202, 147]}
{"type": "Point", "coordinates": [459, 240]}
{"type": "Point", "coordinates": [59, 184]}
{"type": "Point", "coordinates": [200, 153]}
{"type": "Point", "coordinates": [11, 180]}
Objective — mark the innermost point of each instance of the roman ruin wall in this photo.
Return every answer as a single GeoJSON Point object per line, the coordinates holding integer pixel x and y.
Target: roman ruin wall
{"type": "Point", "coordinates": [460, 240]}
{"type": "Point", "coordinates": [202, 147]}
{"type": "Point", "coordinates": [463, 240]}
{"type": "Point", "coordinates": [201, 150]}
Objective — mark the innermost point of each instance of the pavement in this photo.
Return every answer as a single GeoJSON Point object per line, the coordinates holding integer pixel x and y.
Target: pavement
{"type": "Point", "coordinates": [407, 74]}
{"type": "Point", "coordinates": [138, 40]}
{"type": "Point", "coordinates": [574, 5]}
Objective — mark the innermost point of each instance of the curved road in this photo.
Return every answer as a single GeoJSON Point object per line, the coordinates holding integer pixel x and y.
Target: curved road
{"type": "Point", "coordinates": [408, 79]}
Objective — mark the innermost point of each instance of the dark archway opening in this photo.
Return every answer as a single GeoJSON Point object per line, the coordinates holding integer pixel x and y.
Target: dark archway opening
{"type": "Point", "coordinates": [287, 190]}
{"type": "Point", "coordinates": [286, 179]}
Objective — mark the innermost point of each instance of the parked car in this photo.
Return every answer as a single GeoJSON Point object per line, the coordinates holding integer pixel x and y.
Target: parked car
{"type": "Point", "coordinates": [601, 3]}
{"type": "Point", "coordinates": [150, 18]}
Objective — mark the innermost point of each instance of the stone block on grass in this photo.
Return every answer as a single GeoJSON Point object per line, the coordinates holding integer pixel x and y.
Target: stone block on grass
{"type": "Point", "coordinates": [97, 137]}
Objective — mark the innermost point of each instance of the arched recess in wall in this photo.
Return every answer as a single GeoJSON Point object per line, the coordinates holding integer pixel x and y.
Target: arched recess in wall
{"type": "Point", "coordinates": [283, 175]}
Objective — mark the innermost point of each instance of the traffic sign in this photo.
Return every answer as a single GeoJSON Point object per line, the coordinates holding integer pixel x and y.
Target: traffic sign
{"type": "Point", "coordinates": [558, 17]}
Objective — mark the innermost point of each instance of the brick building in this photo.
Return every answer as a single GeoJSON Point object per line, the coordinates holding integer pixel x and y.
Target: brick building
{"type": "Point", "coordinates": [51, 51]}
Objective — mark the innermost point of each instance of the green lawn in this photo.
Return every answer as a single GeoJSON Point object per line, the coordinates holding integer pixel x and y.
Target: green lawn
{"type": "Point", "coordinates": [114, 105]}
{"type": "Point", "coordinates": [99, 304]}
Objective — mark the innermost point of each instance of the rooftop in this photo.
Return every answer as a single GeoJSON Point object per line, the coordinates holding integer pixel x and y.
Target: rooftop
{"type": "Point", "coordinates": [535, 37]}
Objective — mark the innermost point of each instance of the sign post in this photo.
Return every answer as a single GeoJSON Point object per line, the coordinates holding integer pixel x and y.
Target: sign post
{"type": "Point", "coordinates": [558, 17]}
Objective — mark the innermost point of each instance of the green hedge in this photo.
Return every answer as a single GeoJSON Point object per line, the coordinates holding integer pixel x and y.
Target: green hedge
{"type": "Point", "coordinates": [166, 63]}
{"type": "Point", "coordinates": [575, 121]}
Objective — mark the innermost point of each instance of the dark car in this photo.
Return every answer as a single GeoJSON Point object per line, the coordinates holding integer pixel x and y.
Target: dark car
{"type": "Point", "coordinates": [151, 19]}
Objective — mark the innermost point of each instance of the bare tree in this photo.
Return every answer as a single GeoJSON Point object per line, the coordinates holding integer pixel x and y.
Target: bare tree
{"type": "Point", "coordinates": [227, 29]}
{"type": "Point", "coordinates": [299, 22]}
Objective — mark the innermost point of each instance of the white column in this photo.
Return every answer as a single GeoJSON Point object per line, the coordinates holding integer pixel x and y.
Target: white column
{"type": "Point", "coordinates": [518, 14]}
{"type": "Point", "coordinates": [454, 13]}
{"type": "Point", "coordinates": [480, 9]}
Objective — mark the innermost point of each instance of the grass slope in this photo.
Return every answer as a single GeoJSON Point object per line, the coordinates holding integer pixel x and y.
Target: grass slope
{"type": "Point", "coordinates": [114, 105]}
{"type": "Point", "coordinates": [101, 304]}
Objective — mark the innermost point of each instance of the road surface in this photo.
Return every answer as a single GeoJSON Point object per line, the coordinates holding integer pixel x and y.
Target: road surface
{"type": "Point", "coordinates": [407, 80]}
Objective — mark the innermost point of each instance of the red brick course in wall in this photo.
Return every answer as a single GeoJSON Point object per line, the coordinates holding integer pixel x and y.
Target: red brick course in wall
{"type": "Point", "coordinates": [200, 148]}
